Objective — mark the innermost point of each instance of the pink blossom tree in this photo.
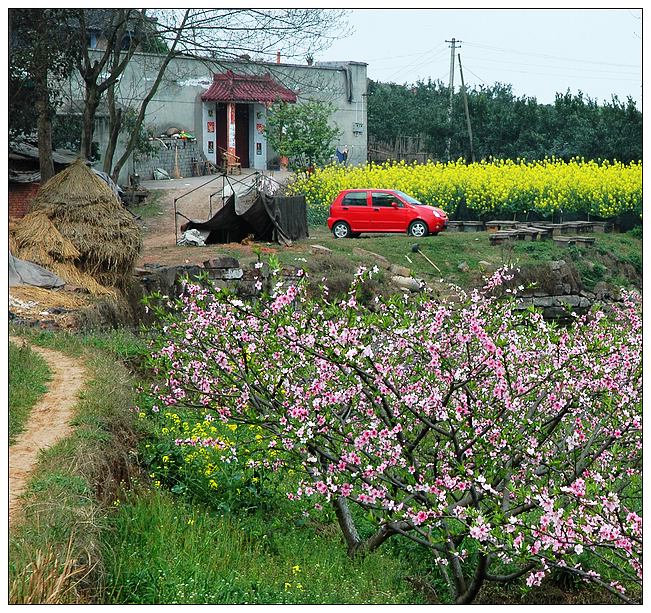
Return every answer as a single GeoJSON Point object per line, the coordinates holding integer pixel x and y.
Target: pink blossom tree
{"type": "Point", "coordinates": [505, 445]}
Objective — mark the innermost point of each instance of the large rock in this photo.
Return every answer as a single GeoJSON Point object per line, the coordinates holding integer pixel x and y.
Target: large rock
{"type": "Point", "coordinates": [413, 285]}
{"type": "Point", "coordinates": [400, 271]}
{"type": "Point", "coordinates": [222, 261]}
{"type": "Point", "coordinates": [319, 250]}
{"type": "Point", "coordinates": [225, 273]}
{"type": "Point", "coordinates": [380, 260]}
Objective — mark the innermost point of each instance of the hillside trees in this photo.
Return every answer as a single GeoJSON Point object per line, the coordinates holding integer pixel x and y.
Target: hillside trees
{"type": "Point", "coordinates": [505, 125]}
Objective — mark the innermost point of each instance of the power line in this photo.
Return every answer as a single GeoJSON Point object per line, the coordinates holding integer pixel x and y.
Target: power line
{"type": "Point", "coordinates": [476, 75]}
{"type": "Point", "coordinates": [393, 57]}
{"type": "Point", "coordinates": [502, 62]}
{"type": "Point", "coordinates": [567, 76]}
{"type": "Point", "coordinates": [419, 62]}
{"type": "Point", "coordinates": [545, 55]}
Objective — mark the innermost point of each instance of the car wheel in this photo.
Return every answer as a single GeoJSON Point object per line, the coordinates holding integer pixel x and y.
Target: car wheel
{"type": "Point", "coordinates": [341, 230]}
{"type": "Point", "coordinates": [418, 229]}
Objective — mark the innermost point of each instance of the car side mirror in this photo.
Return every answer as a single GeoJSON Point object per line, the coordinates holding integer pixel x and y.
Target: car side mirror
{"type": "Point", "coordinates": [395, 205]}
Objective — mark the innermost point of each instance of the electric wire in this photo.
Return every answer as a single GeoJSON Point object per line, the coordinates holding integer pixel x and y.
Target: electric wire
{"type": "Point", "coordinates": [545, 55]}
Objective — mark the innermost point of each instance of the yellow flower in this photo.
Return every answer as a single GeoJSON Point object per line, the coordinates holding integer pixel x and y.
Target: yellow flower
{"type": "Point", "coordinates": [296, 569]}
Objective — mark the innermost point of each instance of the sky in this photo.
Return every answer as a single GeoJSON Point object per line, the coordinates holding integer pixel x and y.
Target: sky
{"type": "Point", "coordinates": [538, 51]}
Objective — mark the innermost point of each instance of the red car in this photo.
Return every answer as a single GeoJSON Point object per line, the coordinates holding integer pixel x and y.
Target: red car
{"type": "Point", "coordinates": [355, 211]}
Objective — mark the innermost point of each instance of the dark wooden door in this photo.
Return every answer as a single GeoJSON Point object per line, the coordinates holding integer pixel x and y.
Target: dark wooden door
{"type": "Point", "coordinates": [221, 127]}
{"type": "Point", "coordinates": [242, 133]}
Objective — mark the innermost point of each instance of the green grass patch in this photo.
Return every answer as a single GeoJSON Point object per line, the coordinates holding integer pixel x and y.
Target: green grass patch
{"type": "Point", "coordinates": [121, 344]}
{"type": "Point", "coordinates": [161, 551]}
{"type": "Point", "coordinates": [151, 206]}
{"type": "Point", "coordinates": [464, 258]}
{"type": "Point", "coordinates": [28, 377]}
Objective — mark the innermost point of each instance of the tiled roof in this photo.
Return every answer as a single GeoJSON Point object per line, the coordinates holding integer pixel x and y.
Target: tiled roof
{"type": "Point", "coordinates": [231, 87]}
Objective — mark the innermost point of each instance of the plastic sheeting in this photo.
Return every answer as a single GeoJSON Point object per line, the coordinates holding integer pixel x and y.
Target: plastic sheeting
{"type": "Point", "coordinates": [22, 272]}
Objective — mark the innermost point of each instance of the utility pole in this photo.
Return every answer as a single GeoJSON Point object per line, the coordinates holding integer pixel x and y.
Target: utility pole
{"type": "Point", "coordinates": [465, 104]}
{"type": "Point", "coordinates": [453, 43]}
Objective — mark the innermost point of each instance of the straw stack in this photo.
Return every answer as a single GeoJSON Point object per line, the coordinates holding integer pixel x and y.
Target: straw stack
{"type": "Point", "coordinates": [80, 230]}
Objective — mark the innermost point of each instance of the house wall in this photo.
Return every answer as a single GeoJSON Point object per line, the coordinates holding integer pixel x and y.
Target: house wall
{"type": "Point", "coordinates": [178, 100]}
{"type": "Point", "coordinates": [20, 198]}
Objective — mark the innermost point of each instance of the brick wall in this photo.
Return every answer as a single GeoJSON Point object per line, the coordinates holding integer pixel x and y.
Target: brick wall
{"type": "Point", "coordinates": [166, 158]}
{"type": "Point", "coordinates": [20, 198]}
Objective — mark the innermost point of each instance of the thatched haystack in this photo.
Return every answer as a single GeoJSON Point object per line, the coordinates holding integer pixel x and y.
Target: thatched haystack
{"type": "Point", "coordinates": [80, 230]}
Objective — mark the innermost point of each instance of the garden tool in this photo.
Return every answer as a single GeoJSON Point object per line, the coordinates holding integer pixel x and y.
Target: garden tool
{"type": "Point", "coordinates": [416, 249]}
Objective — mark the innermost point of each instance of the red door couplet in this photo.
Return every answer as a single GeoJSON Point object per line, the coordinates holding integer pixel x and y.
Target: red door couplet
{"type": "Point", "coordinates": [230, 114]}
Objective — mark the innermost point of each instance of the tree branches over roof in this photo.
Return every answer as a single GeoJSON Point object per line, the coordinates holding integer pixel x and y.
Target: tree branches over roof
{"type": "Point", "coordinates": [231, 33]}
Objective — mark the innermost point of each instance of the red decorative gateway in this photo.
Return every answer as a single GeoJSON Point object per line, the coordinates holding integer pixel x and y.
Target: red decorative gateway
{"type": "Point", "coordinates": [231, 87]}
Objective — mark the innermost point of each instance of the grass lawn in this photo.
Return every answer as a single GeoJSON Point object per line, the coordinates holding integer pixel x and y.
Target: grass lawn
{"type": "Point", "coordinates": [197, 556]}
{"type": "Point", "coordinates": [28, 376]}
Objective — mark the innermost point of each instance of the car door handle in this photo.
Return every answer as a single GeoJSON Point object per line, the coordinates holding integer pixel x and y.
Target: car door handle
{"type": "Point", "coordinates": [375, 209]}
{"type": "Point", "coordinates": [345, 208]}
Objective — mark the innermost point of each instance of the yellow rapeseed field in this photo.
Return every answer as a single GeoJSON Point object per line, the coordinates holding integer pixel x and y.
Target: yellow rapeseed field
{"type": "Point", "coordinates": [489, 188]}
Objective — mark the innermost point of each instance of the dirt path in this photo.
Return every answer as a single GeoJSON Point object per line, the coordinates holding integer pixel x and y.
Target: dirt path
{"type": "Point", "coordinates": [49, 421]}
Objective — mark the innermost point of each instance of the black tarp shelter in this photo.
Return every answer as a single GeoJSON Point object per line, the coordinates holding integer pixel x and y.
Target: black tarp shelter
{"type": "Point", "coordinates": [280, 219]}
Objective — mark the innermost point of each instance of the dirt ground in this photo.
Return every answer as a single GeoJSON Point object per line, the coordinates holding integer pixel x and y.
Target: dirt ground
{"type": "Point", "coordinates": [193, 201]}
{"type": "Point", "coordinates": [49, 421]}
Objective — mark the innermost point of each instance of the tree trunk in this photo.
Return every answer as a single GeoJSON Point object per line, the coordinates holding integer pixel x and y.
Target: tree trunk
{"type": "Point", "coordinates": [44, 127]}
{"type": "Point", "coordinates": [115, 123]}
{"type": "Point", "coordinates": [113, 143]}
{"type": "Point", "coordinates": [91, 103]}
{"type": "Point", "coordinates": [478, 579]}
{"type": "Point", "coordinates": [135, 133]}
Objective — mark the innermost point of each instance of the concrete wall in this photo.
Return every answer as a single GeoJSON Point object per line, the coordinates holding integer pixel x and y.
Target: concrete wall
{"type": "Point", "coordinates": [178, 100]}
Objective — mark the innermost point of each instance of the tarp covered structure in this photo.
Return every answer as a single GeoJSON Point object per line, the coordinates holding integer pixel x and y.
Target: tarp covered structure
{"type": "Point", "coordinates": [280, 219]}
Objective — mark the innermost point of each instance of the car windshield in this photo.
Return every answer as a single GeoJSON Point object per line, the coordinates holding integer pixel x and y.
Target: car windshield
{"type": "Point", "coordinates": [409, 199]}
